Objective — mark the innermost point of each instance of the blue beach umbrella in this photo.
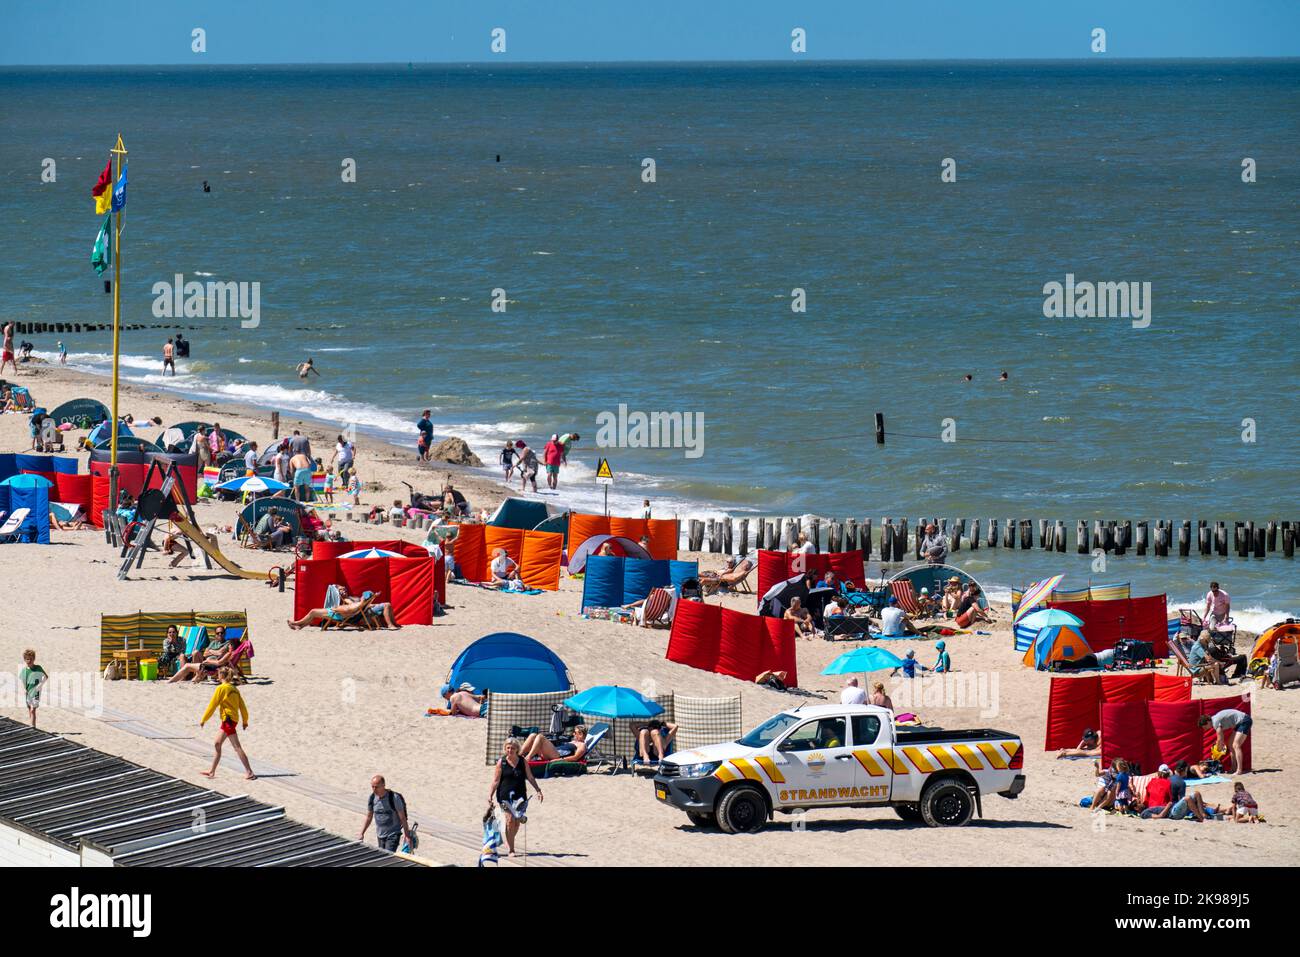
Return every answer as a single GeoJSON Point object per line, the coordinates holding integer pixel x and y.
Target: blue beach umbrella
{"type": "Point", "coordinates": [862, 660]}
{"type": "Point", "coordinates": [252, 483]}
{"type": "Point", "coordinates": [1048, 617]}
{"type": "Point", "coordinates": [370, 553]}
{"type": "Point", "coordinates": [27, 480]}
{"type": "Point", "coordinates": [611, 701]}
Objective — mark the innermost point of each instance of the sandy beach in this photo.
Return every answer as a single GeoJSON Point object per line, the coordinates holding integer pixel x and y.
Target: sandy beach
{"type": "Point", "coordinates": [331, 709]}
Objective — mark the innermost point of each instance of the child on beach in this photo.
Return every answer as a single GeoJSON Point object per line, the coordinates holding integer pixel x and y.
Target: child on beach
{"type": "Point", "coordinates": [329, 488]}
{"type": "Point", "coordinates": [1244, 808]}
{"type": "Point", "coordinates": [63, 353]}
{"type": "Point", "coordinates": [507, 458]}
{"type": "Point", "coordinates": [228, 701]}
{"type": "Point", "coordinates": [354, 488]}
{"type": "Point", "coordinates": [33, 678]}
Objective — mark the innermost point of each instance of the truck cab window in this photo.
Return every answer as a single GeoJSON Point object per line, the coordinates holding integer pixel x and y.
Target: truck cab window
{"type": "Point", "coordinates": [866, 729]}
{"type": "Point", "coordinates": [815, 735]}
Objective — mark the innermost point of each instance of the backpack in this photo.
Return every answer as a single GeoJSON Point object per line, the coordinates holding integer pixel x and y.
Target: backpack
{"type": "Point", "coordinates": [391, 798]}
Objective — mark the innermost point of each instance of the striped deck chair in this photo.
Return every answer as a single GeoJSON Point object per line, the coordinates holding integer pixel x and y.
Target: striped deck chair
{"type": "Point", "coordinates": [361, 618]}
{"type": "Point", "coordinates": [195, 638]}
{"type": "Point", "coordinates": [658, 608]}
{"type": "Point", "coordinates": [902, 590]}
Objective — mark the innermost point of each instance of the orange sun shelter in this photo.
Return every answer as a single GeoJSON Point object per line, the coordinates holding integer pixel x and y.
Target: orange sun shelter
{"type": "Point", "coordinates": [537, 553]}
{"type": "Point", "coordinates": [662, 532]}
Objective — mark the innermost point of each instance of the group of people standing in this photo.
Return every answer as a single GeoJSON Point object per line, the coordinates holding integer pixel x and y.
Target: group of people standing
{"type": "Point", "coordinates": [519, 456]}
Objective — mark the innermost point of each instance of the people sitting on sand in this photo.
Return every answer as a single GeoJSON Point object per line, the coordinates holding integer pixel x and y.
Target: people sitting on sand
{"type": "Point", "coordinates": [1089, 746]}
{"type": "Point", "coordinates": [463, 700]}
{"type": "Point", "coordinates": [654, 740]}
{"type": "Point", "coordinates": [879, 698]}
{"type": "Point", "coordinates": [910, 666]}
{"type": "Point", "coordinates": [537, 746]}
{"type": "Point", "coordinates": [927, 605]}
{"type": "Point", "coordinates": [207, 663]}
{"type": "Point", "coordinates": [951, 597]}
{"type": "Point", "coordinates": [894, 622]}
{"type": "Point", "coordinates": [934, 546]}
{"type": "Point", "coordinates": [1198, 656]}
{"type": "Point", "coordinates": [273, 528]}
{"type": "Point", "coordinates": [1108, 785]}
{"type": "Point", "coordinates": [776, 680]}
{"type": "Point", "coordinates": [1245, 809]}
{"type": "Point", "coordinates": [1224, 659]}
{"type": "Point", "coordinates": [504, 569]}
{"type": "Point", "coordinates": [969, 609]}
{"type": "Point", "coordinates": [853, 693]}
{"type": "Point", "coordinates": [74, 524]}
{"type": "Point", "coordinates": [797, 613]}
{"type": "Point", "coordinates": [173, 651]}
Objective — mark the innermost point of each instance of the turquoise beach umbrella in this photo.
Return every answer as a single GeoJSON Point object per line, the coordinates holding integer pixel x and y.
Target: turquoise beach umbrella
{"type": "Point", "coordinates": [611, 701]}
{"type": "Point", "coordinates": [1048, 617]}
{"type": "Point", "coordinates": [862, 660]}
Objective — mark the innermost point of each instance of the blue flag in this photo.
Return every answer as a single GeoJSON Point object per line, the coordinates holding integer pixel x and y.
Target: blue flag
{"type": "Point", "coordinates": [119, 191]}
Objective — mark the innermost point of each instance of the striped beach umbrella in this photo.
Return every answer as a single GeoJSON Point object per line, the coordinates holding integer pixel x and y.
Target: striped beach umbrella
{"type": "Point", "coordinates": [1035, 595]}
{"type": "Point", "coordinates": [370, 553]}
{"type": "Point", "coordinates": [252, 483]}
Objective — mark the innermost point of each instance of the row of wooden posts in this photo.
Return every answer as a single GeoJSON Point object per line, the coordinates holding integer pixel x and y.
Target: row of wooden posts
{"type": "Point", "coordinates": [37, 328]}
{"type": "Point", "coordinates": [895, 541]}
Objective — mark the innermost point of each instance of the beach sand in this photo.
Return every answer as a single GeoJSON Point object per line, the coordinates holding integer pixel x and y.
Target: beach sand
{"type": "Point", "coordinates": [335, 708]}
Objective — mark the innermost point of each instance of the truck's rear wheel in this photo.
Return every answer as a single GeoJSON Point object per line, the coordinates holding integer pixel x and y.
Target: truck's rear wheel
{"type": "Point", "coordinates": [700, 819]}
{"type": "Point", "coordinates": [947, 804]}
{"type": "Point", "coordinates": [909, 812]}
{"type": "Point", "coordinates": [742, 810]}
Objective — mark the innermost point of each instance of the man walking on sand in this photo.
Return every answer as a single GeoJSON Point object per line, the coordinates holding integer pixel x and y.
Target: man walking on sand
{"type": "Point", "coordinates": [228, 701]}
{"type": "Point", "coordinates": [7, 355]}
{"type": "Point", "coordinates": [388, 810]}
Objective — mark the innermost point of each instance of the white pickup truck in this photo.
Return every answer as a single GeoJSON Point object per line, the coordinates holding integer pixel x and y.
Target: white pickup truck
{"type": "Point", "coordinates": [842, 756]}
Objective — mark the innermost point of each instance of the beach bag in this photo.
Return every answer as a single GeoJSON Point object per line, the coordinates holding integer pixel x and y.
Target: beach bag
{"type": "Point", "coordinates": [391, 798]}
{"type": "Point", "coordinates": [113, 670]}
{"type": "Point", "coordinates": [1130, 651]}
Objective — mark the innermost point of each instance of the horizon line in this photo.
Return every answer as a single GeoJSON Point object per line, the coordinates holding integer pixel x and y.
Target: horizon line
{"type": "Point", "coordinates": [656, 62]}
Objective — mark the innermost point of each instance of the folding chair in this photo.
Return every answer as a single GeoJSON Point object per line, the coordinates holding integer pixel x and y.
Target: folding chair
{"type": "Point", "coordinates": [902, 590]}
{"type": "Point", "coordinates": [12, 528]}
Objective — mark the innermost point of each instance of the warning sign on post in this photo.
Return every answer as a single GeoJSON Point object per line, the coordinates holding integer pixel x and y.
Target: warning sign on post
{"type": "Point", "coordinates": [604, 474]}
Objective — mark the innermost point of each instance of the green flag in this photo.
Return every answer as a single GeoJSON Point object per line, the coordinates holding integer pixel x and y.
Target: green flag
{"type": "Point", "coordinates": [102, 255]}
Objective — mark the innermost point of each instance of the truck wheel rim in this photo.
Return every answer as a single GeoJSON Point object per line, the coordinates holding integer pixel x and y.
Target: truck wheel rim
{"type": "Point", "coordinates": [950, 807]}
{"type": "Point", "coordinates": [743, 813]}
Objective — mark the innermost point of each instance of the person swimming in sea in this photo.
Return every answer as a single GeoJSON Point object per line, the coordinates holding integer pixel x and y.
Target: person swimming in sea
{"type": "Point", "coordinates": [305, 368]}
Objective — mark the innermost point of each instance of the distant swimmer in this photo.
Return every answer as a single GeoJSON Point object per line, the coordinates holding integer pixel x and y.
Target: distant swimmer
{"type": "Point", "coordinates": [206, 187]}
{"type": "Point", "coordinates": [967, 377]}
{"type": "Point", "coordinates": [305, 368]}
{"type": "Point", "coordinates": [1003, 377]}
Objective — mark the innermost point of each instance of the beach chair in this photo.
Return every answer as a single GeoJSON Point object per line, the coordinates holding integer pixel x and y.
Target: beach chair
{"type": "Point", "coordinates": [1288, 664]}
{"type": "Point", "coordinates": [658, 608]}
{"type": "Point", "coordinates": [847, 627]}
{"type": "Point", "coordinates": [242, 653]}
{"type": "Point", "coordinates": [596, 735]}
{"type": "Point", "coordinates": [902, 590]}
{"type": "Point", "coordinates": [12, 528]}
{"type": "Point", "coordinates": [1203, 674]}
{"type": "Point", "coordinates": [735, 580]}
{"type": "Point", "coordinates": [361, 618]}
{"type": "Point", "coordinates": [873, 598]}
{"type": "Point", "coordinates": [195, 638]}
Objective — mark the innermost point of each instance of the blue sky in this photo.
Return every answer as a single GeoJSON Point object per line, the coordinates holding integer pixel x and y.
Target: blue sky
{"type": "Point", "coordinates": [81, 32]}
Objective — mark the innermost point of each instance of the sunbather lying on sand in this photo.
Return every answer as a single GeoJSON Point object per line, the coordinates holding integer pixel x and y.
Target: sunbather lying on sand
{"type": "Point", "coordinates": [539, 746]}
{"type": "Point", "coordinates": [1089, 746]}
{"type": "Point", "coordinates": [463, 700]}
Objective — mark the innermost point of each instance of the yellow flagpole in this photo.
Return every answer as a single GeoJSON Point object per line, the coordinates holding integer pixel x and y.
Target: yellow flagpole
{"type": "Point", "coordinates": [118, 151]}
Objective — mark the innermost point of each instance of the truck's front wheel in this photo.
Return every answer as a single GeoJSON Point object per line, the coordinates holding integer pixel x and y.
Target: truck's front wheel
{"type": "Point", "coordinates": [742, 810]}
{"type": "Point", "coordinates": [947, 804]}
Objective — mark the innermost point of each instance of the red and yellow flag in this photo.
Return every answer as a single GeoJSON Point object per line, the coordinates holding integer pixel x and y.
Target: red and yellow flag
{"type": "Point", "coordinates": [103, 192]}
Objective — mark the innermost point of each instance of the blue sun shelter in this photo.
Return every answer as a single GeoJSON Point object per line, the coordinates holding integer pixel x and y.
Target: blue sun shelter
{"type": "Point", "coordinates": [32, 493]}
{"type": "Point", "coordinates": [510, 663]}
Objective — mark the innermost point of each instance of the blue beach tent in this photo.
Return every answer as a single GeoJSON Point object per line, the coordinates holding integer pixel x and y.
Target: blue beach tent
{"type": "Point", "coordinates": [32, 493]}
{"type": "Point", "coordinates": [510, 663]}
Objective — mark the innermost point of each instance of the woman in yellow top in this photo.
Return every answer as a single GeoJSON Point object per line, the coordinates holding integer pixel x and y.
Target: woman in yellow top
{"type": "Point", "coordinates": [231, 705]}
